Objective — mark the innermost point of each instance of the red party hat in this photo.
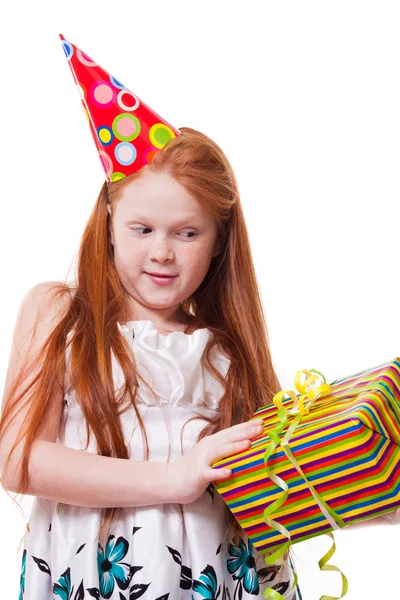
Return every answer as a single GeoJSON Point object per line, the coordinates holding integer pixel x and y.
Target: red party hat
{"type": "Point", "coordinates": [127, 133]}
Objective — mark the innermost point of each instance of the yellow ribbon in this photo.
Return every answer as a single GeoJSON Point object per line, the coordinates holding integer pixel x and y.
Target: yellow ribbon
{"type": "Point", "coordinates": [300, 408]}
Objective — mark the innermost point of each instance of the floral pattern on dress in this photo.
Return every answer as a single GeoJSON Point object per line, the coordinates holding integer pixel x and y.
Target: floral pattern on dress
{"type": "Point", "coordinates": [63, 589]}
{"type": "Point", "coordinates": [159, 553]}
{"type": "Point", "coordinates": [119, 580]}
{"type": "Point", "coordinates": [112, 571]}
{"type": "Point", "coordinates": [242, 566]}
{"type": "Point", "coordinates": [22, 578]}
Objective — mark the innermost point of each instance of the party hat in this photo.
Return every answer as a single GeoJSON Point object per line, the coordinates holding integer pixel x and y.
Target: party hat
{"type": "Point", "coordinates": [127, 133]}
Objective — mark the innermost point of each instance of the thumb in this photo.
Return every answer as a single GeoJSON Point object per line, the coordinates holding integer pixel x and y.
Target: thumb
{"type": "Point", "coordinates": [219, 474]}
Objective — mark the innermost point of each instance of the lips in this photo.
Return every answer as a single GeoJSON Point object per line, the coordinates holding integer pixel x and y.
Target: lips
{"type": "Point", "coordinates": [159, 274]}
{"type": "Point", "coordinates": [162, 280]}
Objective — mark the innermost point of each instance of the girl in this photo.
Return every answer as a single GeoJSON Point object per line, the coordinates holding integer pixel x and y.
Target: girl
{"type": "Point", "coordinates": [124, 387]}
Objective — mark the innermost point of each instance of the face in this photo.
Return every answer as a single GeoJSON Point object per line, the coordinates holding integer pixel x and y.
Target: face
{"type": "Point", "coordinates": [158, 227]}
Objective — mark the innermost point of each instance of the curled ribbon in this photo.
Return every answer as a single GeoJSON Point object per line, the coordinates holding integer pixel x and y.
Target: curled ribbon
{"type": "Point", "coordinates": [301, 406]}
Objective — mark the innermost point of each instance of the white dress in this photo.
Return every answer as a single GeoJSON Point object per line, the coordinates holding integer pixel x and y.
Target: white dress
{"type": "Point", "coordinates": [162, 552]}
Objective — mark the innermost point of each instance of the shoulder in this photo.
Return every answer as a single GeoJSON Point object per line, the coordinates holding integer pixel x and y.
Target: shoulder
{"type": "Point", "coordinates": [41, 310]}
{"type": "Point", "coordinates": [42, 307]}
{"type": "Point", "coordinates": [45, 293]}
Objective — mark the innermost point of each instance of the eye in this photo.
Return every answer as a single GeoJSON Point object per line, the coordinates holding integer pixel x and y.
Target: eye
{"type": "Point", "coordinates": [189, 234]}
{"type": "Point", "coordinates": [138, 228]}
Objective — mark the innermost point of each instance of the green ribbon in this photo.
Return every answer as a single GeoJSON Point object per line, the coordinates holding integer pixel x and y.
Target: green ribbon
{"type": "Point", "coordinates": [325, 567]}
{"type": "Point", "coordinates": [331, 516]}
{"type": "Point", "coordinates": [275, 558]}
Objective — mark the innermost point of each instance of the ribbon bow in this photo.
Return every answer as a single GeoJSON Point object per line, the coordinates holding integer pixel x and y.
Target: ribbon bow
{"type": "Point", "coordinates": [306, 391]}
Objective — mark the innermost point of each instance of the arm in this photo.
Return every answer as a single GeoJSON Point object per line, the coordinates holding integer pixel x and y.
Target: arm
{"type": "Point", "coordinates": [84, 479]}
{"type": "Point", "coordinates": [56, 472]}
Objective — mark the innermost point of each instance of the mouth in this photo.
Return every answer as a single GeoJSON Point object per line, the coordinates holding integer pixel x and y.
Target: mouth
{"type": "Point", "coordinates": [161, 280]}
{"type": "Point", "coordinates": [160, 275]}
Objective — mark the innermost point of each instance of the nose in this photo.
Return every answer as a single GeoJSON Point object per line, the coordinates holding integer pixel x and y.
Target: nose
{"type": "Point", "coordinates": [161, 249]}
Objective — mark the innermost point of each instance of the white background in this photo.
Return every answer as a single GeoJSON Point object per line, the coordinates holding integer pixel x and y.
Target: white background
{"type": "Point", "coordinates": [304, 99]}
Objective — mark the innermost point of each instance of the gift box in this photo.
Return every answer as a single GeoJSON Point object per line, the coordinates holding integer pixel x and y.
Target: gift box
{"type": "Point", "coordinates": [341, 463]}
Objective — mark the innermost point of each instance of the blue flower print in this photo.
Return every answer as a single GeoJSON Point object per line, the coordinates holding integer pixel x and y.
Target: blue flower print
{"type": "Point", "coordinates": [243, 566]}
{"type": "Point", "coordinates": [22, 580]}
{"type": "Point", "coordinates": [63, 586]}
{"type": "Point", "coordinates": [207, 586]}
{"type": "Point", "coordinates": [111, 569]}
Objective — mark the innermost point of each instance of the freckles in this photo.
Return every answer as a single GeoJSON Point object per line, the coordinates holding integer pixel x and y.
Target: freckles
{"type": "Point", "coordinates": [195, 253]}
{"type": "Point", "coordinates": [197, 257]}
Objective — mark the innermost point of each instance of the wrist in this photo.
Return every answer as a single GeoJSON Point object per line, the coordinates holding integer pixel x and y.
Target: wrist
{"type": "Point", "coordinates": [173, 486]}
{"type": "Point", "coordinates": [168, 486]}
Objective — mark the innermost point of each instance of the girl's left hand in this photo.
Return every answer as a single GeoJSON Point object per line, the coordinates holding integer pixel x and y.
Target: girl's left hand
{"type": "Point", "coordinates": [392, 518]}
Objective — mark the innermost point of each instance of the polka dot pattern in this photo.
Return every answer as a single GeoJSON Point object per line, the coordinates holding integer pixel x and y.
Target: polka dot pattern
{"type": "Point", "coordinates": [85, 59]}
{"type": "Point", "coordinates": [149, 154]}
{"type": "Point", "coordinates": [116, 83]}
{"type": "Point", "coordinates": [105, 135]}
{"type": "Point", "coordinates": [68, 49]}
{"type": "Point", "coordinates": [106, 162]}
{"type": "Point", "coordinates": [127, 101]}
{"type": "Point", "coordinates": [126, 127]}
{"type": "Point", "coordinates": [127, 133]}
{"type": "Point", "coordinates": [160, 134]}
{"type": "Point", "coordinates": [125, 153]}
{"type": "Point", "coordinates": [102, 94]}
{"type": "Point", "coordinates": [117, 175]}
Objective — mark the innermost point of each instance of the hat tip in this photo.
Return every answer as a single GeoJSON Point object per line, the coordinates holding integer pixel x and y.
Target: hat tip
{"type": "Point", "coordinates": [62, 38]}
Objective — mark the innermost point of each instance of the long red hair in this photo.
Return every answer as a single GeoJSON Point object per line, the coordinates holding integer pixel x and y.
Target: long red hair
{"type": "Point", "coordinates": [228, 302]}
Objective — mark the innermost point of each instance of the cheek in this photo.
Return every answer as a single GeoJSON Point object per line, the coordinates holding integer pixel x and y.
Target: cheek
{"type": "Point", "coordinates": [126, 247]}
{"type": "Point", "coordinates": [197, 258]}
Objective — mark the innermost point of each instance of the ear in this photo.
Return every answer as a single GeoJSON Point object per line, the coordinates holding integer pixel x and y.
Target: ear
{"type": "Point", "coordinates": [110, 227]}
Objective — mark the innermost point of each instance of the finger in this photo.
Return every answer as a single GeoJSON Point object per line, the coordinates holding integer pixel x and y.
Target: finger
{"type": "Point", "coordinates": [241, 432]}
{"type": "Point", "coordinates": [224, 450]}
{"type": "Point", "coordinates": [219, 474]}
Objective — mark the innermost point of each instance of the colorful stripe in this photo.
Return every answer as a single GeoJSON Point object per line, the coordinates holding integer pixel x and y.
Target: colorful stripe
{"type": "Point", "coordinates": [349, 449]}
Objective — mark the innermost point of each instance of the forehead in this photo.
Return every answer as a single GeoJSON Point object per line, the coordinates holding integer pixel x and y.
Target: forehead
{"type": "Point", "coordinates": [158, 194]}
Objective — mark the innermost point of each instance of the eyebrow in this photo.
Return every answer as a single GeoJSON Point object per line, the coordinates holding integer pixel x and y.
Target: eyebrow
{"type": "Point", "coordinates": [142, 219]}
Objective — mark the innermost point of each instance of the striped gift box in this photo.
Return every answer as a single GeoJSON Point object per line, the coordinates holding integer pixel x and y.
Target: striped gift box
{"type": "Point", "coordinates": [348, 447]}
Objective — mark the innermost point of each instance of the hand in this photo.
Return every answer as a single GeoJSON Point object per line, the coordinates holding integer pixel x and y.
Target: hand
{"type": "Point", "coordinates": [392, 518]}
{"type": "Point", "coordinates": [189, 476]}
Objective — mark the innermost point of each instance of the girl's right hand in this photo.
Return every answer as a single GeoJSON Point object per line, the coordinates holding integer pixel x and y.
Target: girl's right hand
{"type": "Point", "coordinates": [189, 476]}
